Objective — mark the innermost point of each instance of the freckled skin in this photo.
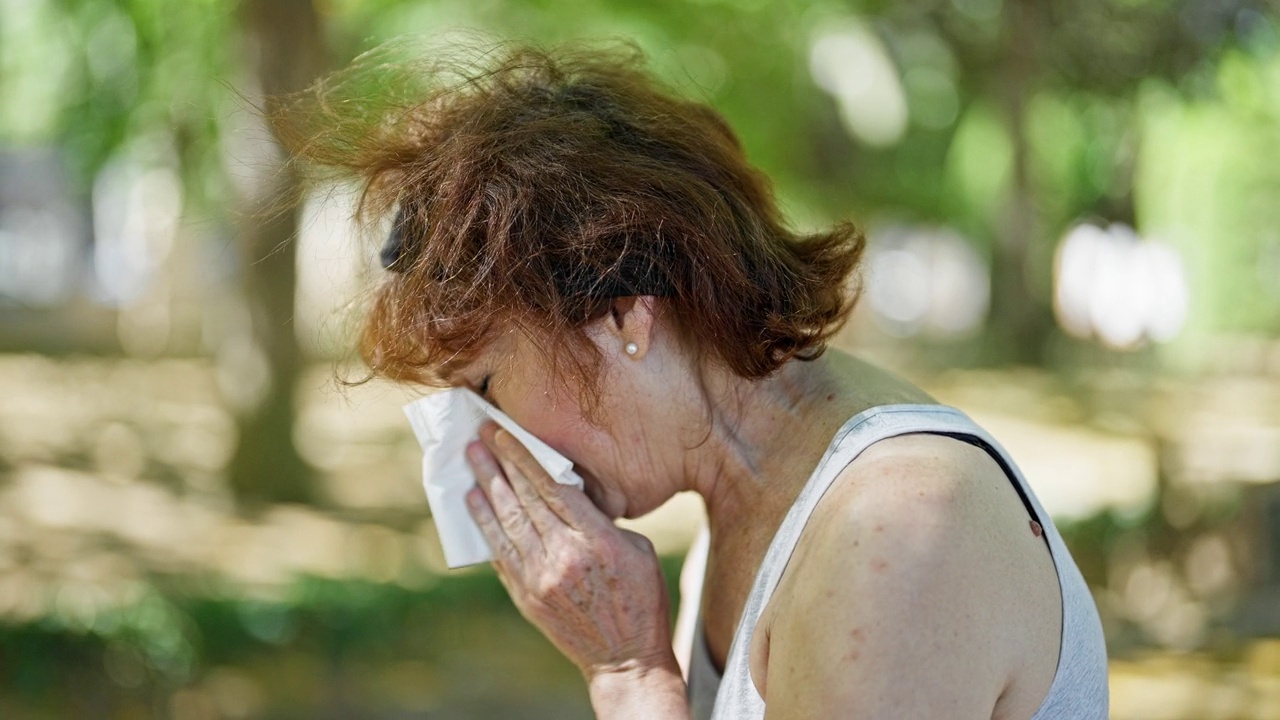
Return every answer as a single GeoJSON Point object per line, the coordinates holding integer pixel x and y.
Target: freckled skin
{"type": "Point", "coordinates": [928, 589]}
{"type": "Point", "coordinates": [872, 573]}
{"type": "Point", "coordinates": [856, 637]}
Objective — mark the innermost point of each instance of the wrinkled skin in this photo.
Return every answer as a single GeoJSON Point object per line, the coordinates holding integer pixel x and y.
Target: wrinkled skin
{"type": "Point", "coordinates": [595, 590]}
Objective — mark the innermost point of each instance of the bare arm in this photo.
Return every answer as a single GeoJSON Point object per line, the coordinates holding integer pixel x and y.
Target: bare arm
{"type": "Point", "coordinates": [895, 610]}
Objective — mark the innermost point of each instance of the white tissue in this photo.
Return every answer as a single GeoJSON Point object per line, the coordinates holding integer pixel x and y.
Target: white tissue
{"type": "Point", "coordinates": [444, 423]}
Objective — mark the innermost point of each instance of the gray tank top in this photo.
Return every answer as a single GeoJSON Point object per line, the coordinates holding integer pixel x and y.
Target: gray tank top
{"type": "Point", "coordinates": [1079, 689]}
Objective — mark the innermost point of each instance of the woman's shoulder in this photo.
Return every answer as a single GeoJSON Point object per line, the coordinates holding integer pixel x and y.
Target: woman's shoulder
{"type": "Point", "coordinates": [921, 556]}
{"type": "Point", "coordinates": [920, 498]}
{"type": "Point", "coordinates": [929, 499]}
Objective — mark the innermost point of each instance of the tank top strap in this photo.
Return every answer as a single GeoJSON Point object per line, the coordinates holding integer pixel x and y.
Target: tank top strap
{"type": "Point", "coordinates": [855, 436]}
{"type": "Point", "coordinates": [737, 696]}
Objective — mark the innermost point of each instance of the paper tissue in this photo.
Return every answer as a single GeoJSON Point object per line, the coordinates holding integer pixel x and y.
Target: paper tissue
{"type": "Point", "coordinates": [445, 422]}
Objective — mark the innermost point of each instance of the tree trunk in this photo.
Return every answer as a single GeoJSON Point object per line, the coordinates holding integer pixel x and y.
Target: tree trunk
{"type": "Point", "coordinates": [287, 50]}
{"type": "Point", "coordinates": [1020, 322]}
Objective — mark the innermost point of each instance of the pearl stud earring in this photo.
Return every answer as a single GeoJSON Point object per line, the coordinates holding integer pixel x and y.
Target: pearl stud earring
{"type": "Point", "coordinates": [632, 348]}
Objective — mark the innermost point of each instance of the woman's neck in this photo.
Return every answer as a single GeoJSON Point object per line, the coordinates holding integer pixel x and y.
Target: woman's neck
{"type": "Point", "coordinates": [767, 435]}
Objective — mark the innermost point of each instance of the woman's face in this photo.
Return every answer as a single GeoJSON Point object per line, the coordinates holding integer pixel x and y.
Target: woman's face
{"type": "Point", "coordinates": [631, 460]}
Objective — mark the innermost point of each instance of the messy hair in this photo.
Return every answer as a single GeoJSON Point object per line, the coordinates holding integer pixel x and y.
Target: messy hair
{"type": "Point", "coordinates": [532, 186]}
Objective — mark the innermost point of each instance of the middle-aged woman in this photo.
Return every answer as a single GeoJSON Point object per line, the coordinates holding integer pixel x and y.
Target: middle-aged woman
{"type": "Point", "coordinates": [595, 256]}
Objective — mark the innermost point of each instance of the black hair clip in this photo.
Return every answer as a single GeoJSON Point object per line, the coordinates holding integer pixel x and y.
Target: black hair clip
{"type": "Point", "coordinates": [393, 250]}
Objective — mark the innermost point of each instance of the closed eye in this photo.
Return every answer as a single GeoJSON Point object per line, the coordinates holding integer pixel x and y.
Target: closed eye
{"type": "Point", "coordinates": [483, 389]}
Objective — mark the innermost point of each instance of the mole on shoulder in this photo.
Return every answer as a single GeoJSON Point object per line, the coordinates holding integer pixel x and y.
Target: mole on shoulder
{"type": "Point", "coordinates": [1036, 529]}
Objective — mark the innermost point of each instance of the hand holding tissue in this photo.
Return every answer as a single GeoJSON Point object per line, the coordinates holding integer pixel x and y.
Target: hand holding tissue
{"type": "Point", "coordinates": [444, 423]}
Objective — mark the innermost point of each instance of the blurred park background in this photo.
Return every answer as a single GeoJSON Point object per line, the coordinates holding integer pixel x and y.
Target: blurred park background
{"type": "Point", "coordinates": [1074, 213]}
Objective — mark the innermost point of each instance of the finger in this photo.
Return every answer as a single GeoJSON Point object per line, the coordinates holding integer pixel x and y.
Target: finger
{"type": "Point", "coordinates": [505, 556]}
{"type": "Point", "coordinates": [485, 465]}
{"type": "Point", "coordinates": [640, 542]}
{"type": "Point", "coordinates": [510, 514]}
{"type": "Point", "coordinates": [569, 503]}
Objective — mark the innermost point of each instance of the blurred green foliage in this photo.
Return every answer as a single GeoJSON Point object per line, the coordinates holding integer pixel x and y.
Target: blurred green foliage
{"type": "Point", "coordinates": [1024, 118]}
{"type": "Point", "coordinates": [459, 640]}
{"type": "Point", "coordinates": [94, 77]}
{"type": "Point", "coordinates": [1159, 113]}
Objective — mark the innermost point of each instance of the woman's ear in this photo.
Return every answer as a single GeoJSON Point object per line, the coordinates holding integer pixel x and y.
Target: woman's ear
{"type": "Point", "coordinates": [632, 323]}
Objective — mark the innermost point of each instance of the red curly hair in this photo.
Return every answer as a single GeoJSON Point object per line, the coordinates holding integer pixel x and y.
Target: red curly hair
{"type": "Point", "coordinates": [535, 185]}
